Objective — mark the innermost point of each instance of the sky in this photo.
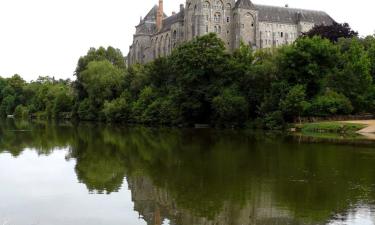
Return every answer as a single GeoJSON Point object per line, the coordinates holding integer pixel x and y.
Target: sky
{"type": "Point", "coordinates": [47, 37]}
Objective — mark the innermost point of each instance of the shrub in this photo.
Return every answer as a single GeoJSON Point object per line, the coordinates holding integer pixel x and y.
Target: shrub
{"type": "Point", "coordinates": [116, 110]}
{"type": "Point", "coordinates": [274, 121]}
{"type": "Point", "coordinates": [331, 103]}
{"type": "Point", "coordinates": [21, 112]}
{"type": "Point", "coordinates": [229, 109]}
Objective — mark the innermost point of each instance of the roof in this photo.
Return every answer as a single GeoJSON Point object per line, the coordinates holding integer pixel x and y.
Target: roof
{"type": "Point", "coordinates": [151, 15]}
{"type": "Point", "coordinates": [292, 15]}
{"type": "Point", "coordinates": [167, 22]}
{"type": "Point", "coordinates": [244, 4]}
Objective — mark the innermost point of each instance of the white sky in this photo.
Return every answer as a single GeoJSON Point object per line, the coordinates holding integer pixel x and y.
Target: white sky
{"type": "Point", "coordinates": [46, 37]}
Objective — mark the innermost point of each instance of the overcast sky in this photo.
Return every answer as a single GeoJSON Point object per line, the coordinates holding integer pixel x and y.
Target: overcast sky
{"type": "Point", "coordinates": [46, 37]}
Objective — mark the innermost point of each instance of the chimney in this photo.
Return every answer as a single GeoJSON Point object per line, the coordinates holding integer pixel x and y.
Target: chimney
{"type": "Point", "coordinates": [160, 16]}
{"type": "Point", "coordinates": [181, 7]}
{"type": "Point", "coordinates": [173, 13]}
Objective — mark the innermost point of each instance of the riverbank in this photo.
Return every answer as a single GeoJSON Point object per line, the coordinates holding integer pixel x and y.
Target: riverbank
{"type": "Point", "coordinates": [364, 128]}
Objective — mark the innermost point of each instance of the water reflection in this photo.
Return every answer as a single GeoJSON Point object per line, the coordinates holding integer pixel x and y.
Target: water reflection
{"type": "Point", "coordinates": [209, 177]}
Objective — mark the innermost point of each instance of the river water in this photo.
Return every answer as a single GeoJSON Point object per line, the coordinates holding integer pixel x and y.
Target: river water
{"type": "Point", "coordinates": [65, 174]}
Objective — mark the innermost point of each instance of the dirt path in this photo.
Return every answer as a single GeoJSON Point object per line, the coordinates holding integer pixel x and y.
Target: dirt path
{"type": "Point", "coordinates": [370, 129]}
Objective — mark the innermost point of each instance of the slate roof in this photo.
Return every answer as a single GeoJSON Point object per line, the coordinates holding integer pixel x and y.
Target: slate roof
{"type": "Point", "coordinates": [244, 4]}
{"type": "Point", "coordinates": [167, 22]}
{"type": "Point", "coordinates": [151, 15]}
{"type": "Point", "coordinates": [292, 15]}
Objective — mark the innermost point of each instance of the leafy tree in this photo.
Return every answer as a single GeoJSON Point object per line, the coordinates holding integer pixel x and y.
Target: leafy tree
{"type": "Point", "coordinates": [230, 109]}
{"type": "Point", "coordinates": [102, 81]}
{"type": "Point", "coordinates": [331, 103]}
{"type": "Point", "coordinates": [21, 112]}
{"type": "Point", "coordinates": [332, 32]}
{"type": "Point", "coordinates": [117, 110]}
{"type": "Point", "coordinates": [295, 102]}
{"type": "Point", "coordinates": [371, 54]}
{"type": "Point", "coordinates": [197, 66]}
{"type": "Point", "coordinates": [307, 62]}
{"type": "Point", "coordinates": [146, 97]}
{"type": "Point", "coordinates": [353, 79]}
{"type": "Point", "coordinates": [112, 55]}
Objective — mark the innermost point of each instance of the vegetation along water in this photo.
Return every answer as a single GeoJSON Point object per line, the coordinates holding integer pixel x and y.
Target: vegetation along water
{"type": "Point", "coordinates": [200, 83]}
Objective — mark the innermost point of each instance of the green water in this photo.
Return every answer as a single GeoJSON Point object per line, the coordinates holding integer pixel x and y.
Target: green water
{"type": "Point", "coordinates": [65, 174]}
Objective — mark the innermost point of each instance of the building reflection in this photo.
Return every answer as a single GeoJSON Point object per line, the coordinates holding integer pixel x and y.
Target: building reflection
{"type": "Point", "coordinates": [209, 177]}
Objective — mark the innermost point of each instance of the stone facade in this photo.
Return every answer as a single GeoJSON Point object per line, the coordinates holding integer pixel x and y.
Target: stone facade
{"type": "Point", "coordinates": [233, 21]}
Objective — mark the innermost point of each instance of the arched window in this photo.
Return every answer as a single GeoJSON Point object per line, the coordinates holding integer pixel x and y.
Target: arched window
{"type": "Point", "coordinates": [217, 18]}
{"type": "Point", "coordinates": [156, 53]}
{"type": "Point", "coordinates": [218, 5]}
{"type": "Point", "coordinates": [228, 6]}
{"type": "Point", "coordinates": [161, 46]}
{"type": "Point", "coordinates": [217, 29]}
{"type": "Point", "coordinates": [174, 35]}
{"type": "Point", "coordinates": [206, 5]}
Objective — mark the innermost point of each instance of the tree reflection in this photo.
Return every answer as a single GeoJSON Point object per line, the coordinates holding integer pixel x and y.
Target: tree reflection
{"type": "Point", "coordinates": [209, 176]}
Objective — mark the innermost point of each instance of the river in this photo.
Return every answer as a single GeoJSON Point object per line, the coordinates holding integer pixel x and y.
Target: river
{"type": "Point", "coordinates": [94, 174]}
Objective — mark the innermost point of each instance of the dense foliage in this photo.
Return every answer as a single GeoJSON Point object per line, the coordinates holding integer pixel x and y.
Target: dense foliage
{"type": "Point", "coordinates": [332, 32]}
{"type": "Point", "coordinates": [201, 83]}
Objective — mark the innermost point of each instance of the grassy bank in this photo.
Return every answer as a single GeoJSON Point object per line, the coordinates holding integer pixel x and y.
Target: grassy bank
{"type": "Point", "coordinates": [331, 127]}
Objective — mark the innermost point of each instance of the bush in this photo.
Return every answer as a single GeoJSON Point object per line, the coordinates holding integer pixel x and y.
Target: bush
{"type": "Point", "coordinates": [229, 109]}
{"type": "Point", "coordinates": [21, 112]}
{"type": "Point", "coordinates": [116, 110]}
{"type": "Point", "coordinates": [331, 103]}
{"type": "Point", "coordinates": [274, 121]}
{"type": "Point", "coordinates": [86, 111]}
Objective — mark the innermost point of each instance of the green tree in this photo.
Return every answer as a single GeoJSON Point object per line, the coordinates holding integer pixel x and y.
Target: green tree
{"type": "Point", "coordinates": [331, 103]}
{"type": "Point", "coordinates": [230, 109]}
{"type": "Point", "coordinates": [112, 55]}
{"type": "Point", "coordinates": [294, 104]}
{"type": "Point", "coordinates": [198, 66]}
{"type": "Point", "coordinates": [307, 62]}
{"type": "Point", "coordinates": [353, 79]}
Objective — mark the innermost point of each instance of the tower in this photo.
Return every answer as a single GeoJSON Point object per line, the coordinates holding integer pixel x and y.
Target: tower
{"type": "Point", "coordinates": [245, 23]}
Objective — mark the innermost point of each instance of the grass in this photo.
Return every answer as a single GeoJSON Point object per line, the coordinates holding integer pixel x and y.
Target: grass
{"type": "Point", "coordinates": [331, 127]}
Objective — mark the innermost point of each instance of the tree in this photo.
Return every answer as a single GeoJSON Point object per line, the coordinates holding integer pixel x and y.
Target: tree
{"type": "Point", "coordinates": [332, 32]}
{"type": "Point", "coordinates": [307, 62]}
{"type": "Point", "coordinates": [371, 54]}
{"type": "Point", "coordinates": [117, 110]}
{"type": "Point", "coordinates": [294, 103]}
{"type": "Point", "coordinates": [112, 55]}
{"type": "Point", "coordinates": [330, 104]}
{"type": "Point", "coordinates": [230, 109]}
{"type": "Point", "coordinates": [198, 66]}
{"type": "Point", "coordinates": [353, 78]}
{"type": "Point", "coordinates": [102, 81]}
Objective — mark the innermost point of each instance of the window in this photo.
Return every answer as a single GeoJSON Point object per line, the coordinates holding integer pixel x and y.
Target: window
{"type": "Point", "coordinates": [206, 5]}
{"type": "Point", "coordinates": [206, 29]}
{"type": "Point", "coordinates": [228, 6]}
{"type": "Point", "coordinates": [218, 5]}
{"type": "Point", "coordinates": [228, 19]}
{"type": "Point", "coordinates": [207, 17]}
{"type": "Point", "coordinates": [217, 29]}
{"type": "Point", "coordinates": [217, 17]}
{"type": "Point", "coordinates": [281, 34]}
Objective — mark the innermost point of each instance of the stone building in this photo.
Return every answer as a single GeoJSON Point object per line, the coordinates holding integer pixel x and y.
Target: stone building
{"type": "Point", "coordinates": [233, 21]}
